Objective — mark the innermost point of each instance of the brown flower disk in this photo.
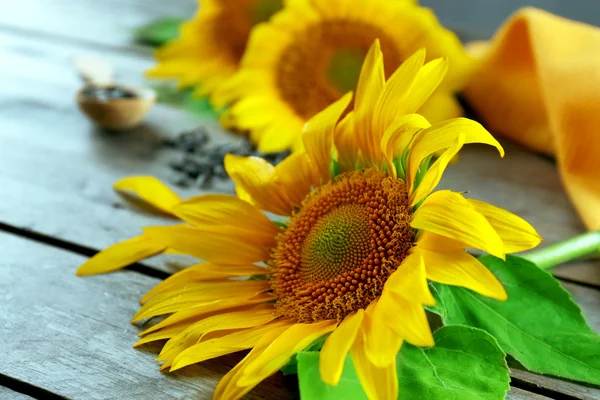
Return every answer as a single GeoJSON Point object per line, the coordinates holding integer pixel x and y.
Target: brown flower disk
{"type": "Point", "coordinates": [302, 75]}
{"type": "Point", "coordinates": [341, 246]}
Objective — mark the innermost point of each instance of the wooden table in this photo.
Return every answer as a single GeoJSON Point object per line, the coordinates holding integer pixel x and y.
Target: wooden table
{"type": "Point", "coordinates": [68, 337]}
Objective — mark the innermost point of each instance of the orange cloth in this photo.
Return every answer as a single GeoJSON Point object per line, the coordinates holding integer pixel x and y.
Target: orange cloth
{"type": "Point", "coordinates": [539, 84]}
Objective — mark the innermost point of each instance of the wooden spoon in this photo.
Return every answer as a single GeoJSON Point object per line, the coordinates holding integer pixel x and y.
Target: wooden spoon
{"type": "Point", "coordinates": [110, 105]}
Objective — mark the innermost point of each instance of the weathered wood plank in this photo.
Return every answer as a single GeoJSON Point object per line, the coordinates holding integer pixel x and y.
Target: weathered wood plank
{"type": "Point", "coordinates": [72, 336]}
{"type": "Point", "coordinates": [589, 301]}
{"type": "Point", "coordinates": [520, 394]}
{"type": "Point", "coordinates": [566, 388]}
{"type": "Point", "coordinates": [7, 394]}
{"type": "Point", "coordinates": [100, 23]}
{"type": "Point", "coordinates": [56, 168]}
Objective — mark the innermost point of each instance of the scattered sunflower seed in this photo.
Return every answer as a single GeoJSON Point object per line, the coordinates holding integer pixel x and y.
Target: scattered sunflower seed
{"type": "Point", "coordinates": [199, 162]}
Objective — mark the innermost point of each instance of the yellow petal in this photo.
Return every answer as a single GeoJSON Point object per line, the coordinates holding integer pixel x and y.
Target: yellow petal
{"type": "Point", "coordinates": [219, 209]}
{"type": "Point", "coordinates": [121, 255]}
{"type": "Point", "coordinates": [449, 214]}
{"type": "Point", "coordinates": [440, 136]}
{"type": "Point", "coordinates": [296, 176]}
{"type": "Point", "coordinates": [216, 244]}
{"type": "Point", "coordinates": [410, 281]}
{"type": "Point", "coordinates": [395, 90]}
{"type": "Point", "coordinates": [318, 135]}
{"type": "Point", "coordinates": [204, 272]}
{"type": "Point", "coordinates": [346, 144]}
{"type": "Point", "coordinates": [337, 346]}
{"type": "Point", "coordinates": [290, 342]}
{"type": "Point", "coordinates": [459, 268]}
{"type": "Point", "coordinates": [255, 316]}
{"type": "Point", "coordinates": [516, 233]}
{"type": "Point", "coordinates": [381, 343]}
{"type": "Point", "coordinates": [204, 296]}
{"type": "Point", "coordinates": [192, 312]}
{"type": "Point", "coordinates": [408, 319]}
{"type": "Point", "coordinates": [254, 182]}
{"type": "Point", "coordinates": [231, 343]}
{"type": "Point", "coordinates": [442, 105]}
{"type": "Point", "coordinates": [369, 87]}
{"type": "Point", "coordinates": [435, 173]}
{"type": "Point", "coordinates": [149, 189]}
{"type": "Point", "coordinates": [163, 334]}
{"type": "Point", "coordinates": [434, 242]}
{"type": "Point", "coordinates": [378, 383]}
{"type": "Point", "coordinates": [229, 386]}
{"type": "Point", "coordinates": [398, 136]}
{"type": "Point", "coordinates": [428, 79]}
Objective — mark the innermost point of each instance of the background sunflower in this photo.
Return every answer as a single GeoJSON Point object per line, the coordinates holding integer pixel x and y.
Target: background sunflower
{"type": "Point", "coordinates": [310, 53]}
{"type": "Point", "coordinates": [210, 46]}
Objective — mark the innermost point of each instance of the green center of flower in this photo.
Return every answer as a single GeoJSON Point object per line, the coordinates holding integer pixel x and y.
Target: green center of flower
{"type": "Point", "coordinates": [344, 69]}
{"type": "Point", "coordinates": [338, 242]}
{"type": "Point", "coordinates": [263, 9]}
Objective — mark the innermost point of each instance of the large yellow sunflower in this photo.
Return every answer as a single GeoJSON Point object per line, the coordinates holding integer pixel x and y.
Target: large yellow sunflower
{"type": "Point", "coordinates": [211, 45]}
{"type": "Point", "coordinates": [310, 53]}
{"type": "Point", "coordinates": [363, 235]}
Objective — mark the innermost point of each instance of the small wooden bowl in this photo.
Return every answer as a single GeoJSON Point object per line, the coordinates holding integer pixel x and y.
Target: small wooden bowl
{"type": "Point", "coordinates": [117, 114]}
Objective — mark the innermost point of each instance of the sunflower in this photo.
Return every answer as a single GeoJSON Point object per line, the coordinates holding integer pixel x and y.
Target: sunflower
{"type": "Point", "coordinates": [211, 45]}
{"type": "Point", "coordinates": [310, 54]}
{"type": "Point", "coordinates": [359, 235]}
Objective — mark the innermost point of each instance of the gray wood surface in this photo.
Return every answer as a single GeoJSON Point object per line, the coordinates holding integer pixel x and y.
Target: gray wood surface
{"type": "Point", "coordinates": [520, 394]}
{"type": "Point", "coordinates": [7, 394]}
{"type": "Point", "coordinates": [72, 335]}
{"type": "Point", "coordinates": [562, 388]}
{"type": "Point", "coordinates": [106, 23]}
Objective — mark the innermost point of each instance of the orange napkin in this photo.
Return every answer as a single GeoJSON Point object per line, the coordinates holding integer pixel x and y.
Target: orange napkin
{"type": "Point", "coordinates": [539, 85]}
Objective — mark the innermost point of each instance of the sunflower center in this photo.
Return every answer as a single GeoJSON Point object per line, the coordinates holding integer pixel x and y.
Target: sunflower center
{"type": "Point", "coordinates": [337, 243]}
{"type": "Point", "coordinates": [263, 10]}
{"type": "Point", "coordinates": [341, 246]}
{"type": "Point", "coordinates": [323, 62]}
{"type": "Point", "coordinates": [344, 69]}
{"type": "Point", "coordinates": [234, 22]}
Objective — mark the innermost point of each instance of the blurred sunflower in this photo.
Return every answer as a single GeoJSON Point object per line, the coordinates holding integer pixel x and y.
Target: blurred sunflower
{"type": "Point", "coordinates": [310, 54]}
{"type": "Point", "coordinates": [210, 46]}
{"type": "Point", "coordinates": [363, 236]}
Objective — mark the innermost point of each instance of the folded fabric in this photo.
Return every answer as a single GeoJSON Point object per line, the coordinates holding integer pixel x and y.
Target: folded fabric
{"type": "Point", "coordinates": [539, 84]}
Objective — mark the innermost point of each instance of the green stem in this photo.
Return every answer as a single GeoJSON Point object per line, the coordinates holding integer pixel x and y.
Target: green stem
{"type": "Point", "coordinates": [565, 251]}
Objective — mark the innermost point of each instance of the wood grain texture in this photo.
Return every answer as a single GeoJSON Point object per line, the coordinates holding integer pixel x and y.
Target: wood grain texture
{"type": "Point", "coordinates": [107, 23]}
{"type": "Point", "coordinates": [520, 394]}
{"type": "Point", "coordinates": [7, 394]}
{"type": "Point", "coordinates": [565, 388]}
{"type": "Point", "coordinates": [56, 169]}
{"type": "Point", "coordinates": [72, 335]}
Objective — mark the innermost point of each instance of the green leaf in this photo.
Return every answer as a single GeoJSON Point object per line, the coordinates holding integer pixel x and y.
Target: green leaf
{"type": "Point", "coordinates": [313, 388]}
{"type": "Point", "coordinates": [292, 366]}
{"type": "Point", "coordinates": [466, 363]}
{"type": "Point", "coordinates": [539, 325]}
{"type": "Point", "coordinates": [158, 32]}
